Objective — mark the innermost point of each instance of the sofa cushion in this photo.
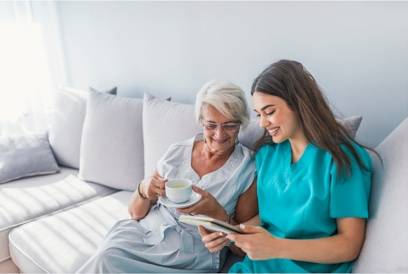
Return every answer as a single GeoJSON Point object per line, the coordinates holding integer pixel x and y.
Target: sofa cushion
{"type": "Point", "coordinates": [24, 156]}
{"type": "Point", "coordinates": [113, 91]}
{"type": "Point", "coordinates": [63, 242]}
{"type": "Point", "coordinates": [23, 200]}
{"type": "Point", "coordinates": [251, 134]}
{"type": "Point", "coordinates": [112, 141]}
{"type": "Point", "coordinates": [386, 246]}
{"type": "Point", "coordinates": [66, 123]}
{"type": "Point", "coordinates": [164, 123]}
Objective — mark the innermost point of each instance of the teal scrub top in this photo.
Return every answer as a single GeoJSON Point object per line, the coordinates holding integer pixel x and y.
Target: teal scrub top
{"type": "Point", "coordinates": [302, 200]}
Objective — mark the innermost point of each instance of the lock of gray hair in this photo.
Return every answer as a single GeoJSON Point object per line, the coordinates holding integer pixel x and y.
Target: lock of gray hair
{"type": "Point", "coordinates": [228, 98]}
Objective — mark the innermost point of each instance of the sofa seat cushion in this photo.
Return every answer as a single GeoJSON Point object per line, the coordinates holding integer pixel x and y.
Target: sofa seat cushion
{"type": "Point", "coordinates": [23, 200]}
{"type": "Point", "coordinates": [61, 243]}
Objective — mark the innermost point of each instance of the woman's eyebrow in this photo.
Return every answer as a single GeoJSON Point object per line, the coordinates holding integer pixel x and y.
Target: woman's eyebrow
{"type": "Point", "coordinates": [227, 122]}
{"type": "Point", "coordinates": [265, 107]}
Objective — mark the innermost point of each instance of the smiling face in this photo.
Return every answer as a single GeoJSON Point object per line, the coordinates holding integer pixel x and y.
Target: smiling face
{"type": "Point", "coordinates": [276, 117]}
{"type": "Point", "coordinates": [219, 131]}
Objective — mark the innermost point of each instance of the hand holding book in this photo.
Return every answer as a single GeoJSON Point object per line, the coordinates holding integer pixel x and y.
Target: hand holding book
{"type": "Point", "coordinates": [209, 223]}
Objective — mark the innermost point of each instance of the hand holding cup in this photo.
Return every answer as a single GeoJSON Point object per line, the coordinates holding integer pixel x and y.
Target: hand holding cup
{"type": "Point", "coordinates": [153, 187]}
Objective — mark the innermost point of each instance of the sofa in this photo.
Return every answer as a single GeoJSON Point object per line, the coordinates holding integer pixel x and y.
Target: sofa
{"type": "Point", "coordinates": [105, 144]}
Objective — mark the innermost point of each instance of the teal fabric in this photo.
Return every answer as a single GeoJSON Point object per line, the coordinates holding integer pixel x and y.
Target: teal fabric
{"type": "Point", "coordinates": [302, 200]}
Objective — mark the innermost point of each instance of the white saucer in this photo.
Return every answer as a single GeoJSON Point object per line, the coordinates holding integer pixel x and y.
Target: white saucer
{"type": "Point", "coordinates": [195, 197]}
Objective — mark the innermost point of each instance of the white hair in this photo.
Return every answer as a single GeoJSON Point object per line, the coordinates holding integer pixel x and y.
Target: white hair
{"type": "Point", "coordinates": [227, 98]}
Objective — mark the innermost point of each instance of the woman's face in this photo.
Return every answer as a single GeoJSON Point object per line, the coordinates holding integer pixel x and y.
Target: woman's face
{"type": "Point", "coordinates": [276, 117]}
{"type": "Point", "coordinates": [219, 131]}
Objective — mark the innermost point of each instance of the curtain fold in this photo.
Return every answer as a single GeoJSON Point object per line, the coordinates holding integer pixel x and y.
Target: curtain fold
{"type": "Point", "coordinates": [25, 83]}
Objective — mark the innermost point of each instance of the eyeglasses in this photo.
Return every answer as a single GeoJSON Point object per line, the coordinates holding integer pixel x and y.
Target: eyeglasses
{"type": "Point", "coordinates": [229, 126]}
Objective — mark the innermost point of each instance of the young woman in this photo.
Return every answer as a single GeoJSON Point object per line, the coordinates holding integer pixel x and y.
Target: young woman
{"type": "Point", "coordinates": [313, 182]}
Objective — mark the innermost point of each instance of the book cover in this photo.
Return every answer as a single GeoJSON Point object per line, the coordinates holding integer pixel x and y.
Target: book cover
{"type": "Point", "coordinates": [209, 223]}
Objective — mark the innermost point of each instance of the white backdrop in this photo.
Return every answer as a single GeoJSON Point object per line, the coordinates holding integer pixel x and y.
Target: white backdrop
{"type": "Point", "coordinates": [358, 51]}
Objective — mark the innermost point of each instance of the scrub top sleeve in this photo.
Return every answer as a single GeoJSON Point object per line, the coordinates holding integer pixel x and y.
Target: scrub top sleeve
{"type": "Point", "coordinates": [350, 193]}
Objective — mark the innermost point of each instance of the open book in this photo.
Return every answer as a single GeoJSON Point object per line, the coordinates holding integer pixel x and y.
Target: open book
{"type": "Point", "coordinates": [209, 223]}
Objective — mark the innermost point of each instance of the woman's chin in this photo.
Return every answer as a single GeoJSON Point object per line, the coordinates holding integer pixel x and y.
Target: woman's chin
{"type": "Point", "coordinates": [278, 139]}
{"type": "Point", "coordinates": [221, 148]}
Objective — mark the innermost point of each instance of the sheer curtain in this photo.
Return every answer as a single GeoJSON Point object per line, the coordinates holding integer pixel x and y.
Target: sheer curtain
{"type": "Point", "coordinates": [25, 84]}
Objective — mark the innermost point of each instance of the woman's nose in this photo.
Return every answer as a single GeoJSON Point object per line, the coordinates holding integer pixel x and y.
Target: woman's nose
{"type": "Point", "coordinates": [263, 122]}
{"type": "Point", "coordinates": [219, 132]}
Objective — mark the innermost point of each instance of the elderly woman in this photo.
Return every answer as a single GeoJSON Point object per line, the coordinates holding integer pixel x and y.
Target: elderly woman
{"type": "Point", "coordinates": [222, 172]}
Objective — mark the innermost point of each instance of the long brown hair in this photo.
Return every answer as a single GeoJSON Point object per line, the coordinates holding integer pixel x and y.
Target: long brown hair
{"type": "Point", "coordinates": [291, 81]}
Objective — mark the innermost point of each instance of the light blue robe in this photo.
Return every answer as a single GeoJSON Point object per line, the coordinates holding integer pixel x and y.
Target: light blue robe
{"type": "Point", "coordinates": [158, 242]}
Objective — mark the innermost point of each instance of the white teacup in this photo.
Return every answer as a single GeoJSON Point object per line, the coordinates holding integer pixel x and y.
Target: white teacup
{"type": "Point", "coordinates": [178, 190]}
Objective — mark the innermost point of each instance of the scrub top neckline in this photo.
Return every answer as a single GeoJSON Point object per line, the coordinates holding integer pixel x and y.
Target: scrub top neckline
{"type": "Point", "coordinates": [302, 158]}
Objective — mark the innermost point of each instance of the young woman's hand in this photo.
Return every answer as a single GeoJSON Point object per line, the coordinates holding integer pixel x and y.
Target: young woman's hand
{"type": "Point", "coordinates": [256, 242]}
{"type": "Point", "coordinates": [207, 205]}
{"type": "Point", "coordinates": [153, 187]}
{"type": "Point", "coordinates": [213, 241]}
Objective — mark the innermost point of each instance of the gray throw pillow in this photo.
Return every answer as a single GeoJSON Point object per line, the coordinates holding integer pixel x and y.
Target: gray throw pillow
{"type": "Point", "coordinates": [250, 136]}
{"type": "Point", "coordinates": [66, 124]}
{"type": "Point", "coordinates": [351, 124]}
{"type": "Point", "coordinates": [112, 91]}
{"type": "Point", "coordinates": [25, 156]}
{"type": "Point", "coordinates": [112, 141]}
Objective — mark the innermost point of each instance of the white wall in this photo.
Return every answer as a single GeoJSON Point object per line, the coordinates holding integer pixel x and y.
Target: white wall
{"type": "Point", "coordinates": [358, 51]}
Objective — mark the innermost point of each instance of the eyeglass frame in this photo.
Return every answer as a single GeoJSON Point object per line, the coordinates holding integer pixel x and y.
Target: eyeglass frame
{"type": "Point", "coordinates": [234, 126]}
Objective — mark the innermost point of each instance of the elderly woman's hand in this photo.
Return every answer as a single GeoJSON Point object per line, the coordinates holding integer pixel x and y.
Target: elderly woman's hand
{"type": "Point", "coordinates": [213, 241]}
{"type": "Point", "coordinates": [207, 205]}
{"type": "Point", "coordinates": [153, 187]}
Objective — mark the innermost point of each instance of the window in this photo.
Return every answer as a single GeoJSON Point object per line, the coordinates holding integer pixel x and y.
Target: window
{"type": "Point", "coordinates": [25, 84]}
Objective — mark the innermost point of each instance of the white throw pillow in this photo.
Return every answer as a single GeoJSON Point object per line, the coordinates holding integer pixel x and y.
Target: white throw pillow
{"type": "Point", "coordinates": [66, 124]}
{"type": "Point", "coordinates": [386, 245]}
{"type": "Point", "coordinates": [112, 141]}
{"type": "Point", "coordinates": [164, 123]}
